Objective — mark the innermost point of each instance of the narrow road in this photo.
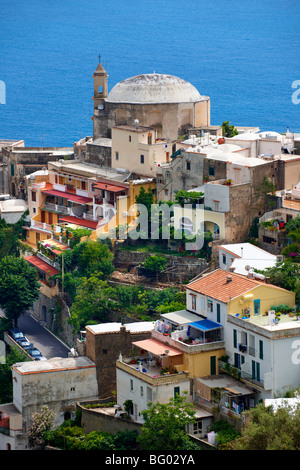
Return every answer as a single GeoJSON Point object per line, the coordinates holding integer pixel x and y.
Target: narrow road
{"type": "Point", "coordinates": [42, 339]}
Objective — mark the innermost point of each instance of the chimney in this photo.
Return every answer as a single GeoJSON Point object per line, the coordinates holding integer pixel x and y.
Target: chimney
{"type": "Point", "coordinates": [228, 279]}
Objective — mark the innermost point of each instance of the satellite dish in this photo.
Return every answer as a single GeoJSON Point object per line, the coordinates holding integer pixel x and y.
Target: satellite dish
{"type": "Point", "coordinates": [247, 267]}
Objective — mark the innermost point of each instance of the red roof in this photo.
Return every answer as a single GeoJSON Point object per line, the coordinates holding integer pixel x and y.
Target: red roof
{"type": "Point", "coordinates": [224, 285]}
{"type": "Point", "coordinates": [78, 221]}
{"type": "Point", "coordinates": [109, 187]}
{"type": "Point", "coordinates": [71, 197]}
{"type": "Point", "coordinates": [42, 265]}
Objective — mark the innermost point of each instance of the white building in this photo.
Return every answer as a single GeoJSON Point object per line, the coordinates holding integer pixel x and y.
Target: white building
{"type": "Point", "coordinates": [266, 354]}
{"type": "Point", "coordinates": [58, 383]}
{"type": "Point", "coordinates": [243, 257]}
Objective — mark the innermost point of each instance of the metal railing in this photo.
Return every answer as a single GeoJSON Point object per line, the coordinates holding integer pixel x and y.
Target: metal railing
{"type": "Point", "coordinates": [48, 260]}
{"type": "Point", "coordinates": [57, 208]}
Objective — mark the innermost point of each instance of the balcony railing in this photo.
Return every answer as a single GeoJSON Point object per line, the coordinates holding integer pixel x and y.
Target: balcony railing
{"type": "Point", "coordinates": [57, 208]}
{"type": "Point", "coordinates": [48, 260]}
{"type": "Point", "coordinates": [239, 374]}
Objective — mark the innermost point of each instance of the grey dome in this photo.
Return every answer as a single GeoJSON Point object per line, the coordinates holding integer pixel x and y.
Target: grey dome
{"type": "Point", "coordinates": [153, 89]}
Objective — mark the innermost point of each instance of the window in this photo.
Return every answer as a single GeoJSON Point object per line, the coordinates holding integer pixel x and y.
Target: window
{"type": "Point", "coordinates": [224, 259]}
{"type": "Point", "coordinates": [197, 427]}
{"type": "Point", "coordinates": [142, 392]}
{"type": "Point", "coordinates": [12, 170]}
{"type": "Point", "coordinates": [33, 196]}
{"type": "Point", "coordinates": [234, 338]}
{"type": "Point", "coordinates": [117, 155]}
{"type": "Point", "coordinates": [83, 185]}
{"type": "Point", "coordinates": [218, 313]}
{"type": "Point", "coordinates": [194, 302]}
{"type": "Point", "coordinates": [131, 385]}
{"type": "Point", "coordinates": [142, 159]}
{"type": "Point", "coordinates": [104, 351]}
{"type": "Point", "coordinates": [211, 171]}
{"type": "Point", "coordinates": [216, 205]}
{"type": "Point", "coordinates": [210, 306]}
{"type": "Point", "coordinates": [261, 349]}
{"type": "Point", "coordinates": [176, 391]}
{"type": "Point", "coordinates": [129, 138]}
{"type": "Point", "coordinates": [188, 165]}
{"type": "Point", "coordinates": [149, 139]}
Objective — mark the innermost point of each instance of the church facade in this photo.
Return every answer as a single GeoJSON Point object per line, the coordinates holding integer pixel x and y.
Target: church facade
{"type": "Point", "coordinates": [163, 102]}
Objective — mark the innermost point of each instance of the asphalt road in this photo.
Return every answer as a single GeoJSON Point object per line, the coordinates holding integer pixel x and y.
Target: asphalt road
{"type": "Point", "coordinates": [46, 342]}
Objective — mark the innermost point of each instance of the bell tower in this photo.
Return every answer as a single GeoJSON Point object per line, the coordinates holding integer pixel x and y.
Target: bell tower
{"type": "Point", "coordinates": [100, 86]}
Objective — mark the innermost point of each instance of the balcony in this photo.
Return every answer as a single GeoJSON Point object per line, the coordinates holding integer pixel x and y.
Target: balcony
{"type": "Point", "coordinates": [192, 339]}
{"type": "Point", "coordinates": [151, 373]}
{"type": "Point", "coordinates": [237, 373]}
{"type": "Point", "coordinates": [49, 206]}
{"type": "Point", "coordinates": [48, 260]}
{"type": "Point", "coordinates": [45, 227]}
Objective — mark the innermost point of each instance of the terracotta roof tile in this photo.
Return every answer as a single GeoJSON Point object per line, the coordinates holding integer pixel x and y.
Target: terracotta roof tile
{"type": "Point", "coordinates": [216, 285]}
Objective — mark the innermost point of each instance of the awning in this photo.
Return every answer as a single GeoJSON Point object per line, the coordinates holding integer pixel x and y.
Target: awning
{"type": "Point", "coordinates": [69, 196]}
{"type": "Point", "coordinates": [109, 187]}
{"type": "Point", "coordinates": [205, 325]}
{"type": "Point", "coordinates": [78, 221]}
{"type": "Point", "coordinates": [157, 348]}
{"type": "Point", "coordinates": [180, 317]}
{"type": "Point", "coordinates": [41, 265]}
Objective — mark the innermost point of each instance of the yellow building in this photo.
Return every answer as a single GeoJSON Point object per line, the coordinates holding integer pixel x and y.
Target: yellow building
{"type": "Point", "coordinates": [74, 194]}
{"type": "Point", "coordinates": [221, 292]}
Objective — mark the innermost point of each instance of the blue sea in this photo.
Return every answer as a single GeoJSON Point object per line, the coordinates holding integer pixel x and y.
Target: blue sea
{"type": "Point", "coordinates": [245, 55]}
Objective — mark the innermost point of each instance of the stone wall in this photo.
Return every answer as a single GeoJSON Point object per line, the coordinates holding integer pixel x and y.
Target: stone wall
{"type": "Point", "coordinates": [104, 350]}
{"type": "Point", "coordinates": [180, 267]}
{"type": "Point", "coordinates": [99, 153]}
{"type": "Point", "coordinates": [98, 420]}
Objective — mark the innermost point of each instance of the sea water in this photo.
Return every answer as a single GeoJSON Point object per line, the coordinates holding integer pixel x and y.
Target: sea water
{"type": "Point", "coordinates": [245, 55]}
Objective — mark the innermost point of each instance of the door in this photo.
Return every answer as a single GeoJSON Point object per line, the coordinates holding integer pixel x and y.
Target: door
{"type": "Point", "coordinates": [50, 218]}
{"type": "Point", "coordinates": [257, 307]}
{"type": "Point", "coordinates": [176, 391]}
{"type": "Point", "coordinates": [213, 368]}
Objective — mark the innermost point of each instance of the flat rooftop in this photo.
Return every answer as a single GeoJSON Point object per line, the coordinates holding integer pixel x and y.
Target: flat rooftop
{"type": "Point", "coordinates": [53, 365]}
{"type": "Point", "coordinates": [115, 327]}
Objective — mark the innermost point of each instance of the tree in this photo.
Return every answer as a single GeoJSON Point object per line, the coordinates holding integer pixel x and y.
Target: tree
{"type": "Point", "coordinates": [155, 264]}
{"type": "Point", "coordinates": [164, 426]}
{"type": "Point", "coordinates": [286, 275]}
{"type": "Point", "coordinates": [89, 257]}
{"type": "Point", "coordinates": [267, 429]}
{"type": "Point", "coordinates": [91, 303]}
{"type": "Point", "coordinates": [6, 382]}
{"type": "Point", "coordinates": [228, 131]}
{"type": "Point", "coordinates": [42, 422]}
{"type": "Point", "coordinates": [19, 286]}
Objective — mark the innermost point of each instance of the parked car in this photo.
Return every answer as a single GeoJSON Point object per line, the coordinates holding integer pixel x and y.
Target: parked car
{"type": "Point", "coordinates": [24, 343]}
{"type": "Point", "coordinates": [36, 354]}
{"type": "Point", "coordinates": [16, 334]}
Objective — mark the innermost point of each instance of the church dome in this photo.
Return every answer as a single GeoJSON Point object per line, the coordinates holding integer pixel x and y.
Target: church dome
{"type": "Point", "coordinates": [154, 89]}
